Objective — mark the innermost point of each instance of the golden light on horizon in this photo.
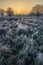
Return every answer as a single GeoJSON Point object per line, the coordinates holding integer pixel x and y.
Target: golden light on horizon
{"type": "Point", "coordinates": [20, 6]}
{"type": "Point", "coordinates": [21, 11]}
{"type": "Point", "coordinates": [18, 11]}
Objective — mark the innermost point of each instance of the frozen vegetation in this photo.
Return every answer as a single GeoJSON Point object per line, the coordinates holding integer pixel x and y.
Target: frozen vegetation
{"type": "Point", "coordinates": [21, 42]}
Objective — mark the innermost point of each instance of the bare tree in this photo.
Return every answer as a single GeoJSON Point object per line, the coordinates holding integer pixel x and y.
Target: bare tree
{"type": "Point", "coordinates": [2, 12]}
{"type": "Point", "coordinates": [38, 11]}
{"type": "Point", "coordinates": [9, 11]}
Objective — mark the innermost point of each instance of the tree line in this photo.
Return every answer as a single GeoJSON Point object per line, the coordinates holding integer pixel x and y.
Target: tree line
{"type": "Point", "coordinates": [8, 12]}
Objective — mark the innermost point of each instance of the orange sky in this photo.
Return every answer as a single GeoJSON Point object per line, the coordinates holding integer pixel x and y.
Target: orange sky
{"type": "Point", "coordinates": [20, 6]}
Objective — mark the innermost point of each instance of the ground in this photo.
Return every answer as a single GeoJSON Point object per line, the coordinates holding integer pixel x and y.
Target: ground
{"type": "Point", "coordinates": [21, 41]}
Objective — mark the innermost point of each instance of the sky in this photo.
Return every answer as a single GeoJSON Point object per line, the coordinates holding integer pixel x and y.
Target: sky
{"type": "Point", "coordinates": [20, 6]}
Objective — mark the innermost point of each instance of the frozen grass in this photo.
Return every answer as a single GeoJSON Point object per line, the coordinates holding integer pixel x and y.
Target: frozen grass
{"type": "Point", "coordinates": [21, 42]}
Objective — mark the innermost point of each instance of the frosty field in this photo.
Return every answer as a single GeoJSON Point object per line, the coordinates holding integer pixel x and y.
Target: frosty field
{"type": "Point", "coordinates": [21, 41]}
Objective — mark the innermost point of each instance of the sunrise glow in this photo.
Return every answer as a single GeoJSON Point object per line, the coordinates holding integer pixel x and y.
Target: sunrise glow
{"type": "Point", "coordinates": [20, 6]}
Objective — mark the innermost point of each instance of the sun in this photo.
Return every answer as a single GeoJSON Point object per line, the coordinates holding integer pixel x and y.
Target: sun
{"type": "Point", "coordinates": [18, 11]}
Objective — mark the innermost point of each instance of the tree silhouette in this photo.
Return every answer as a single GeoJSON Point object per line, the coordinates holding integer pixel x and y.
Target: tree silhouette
{"type": "Point", "coordinates": [38, 11]}
{"type": "Point", "coordinates": [9, 11]}
{"type": "Point", "coordinates": [2, 12]}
